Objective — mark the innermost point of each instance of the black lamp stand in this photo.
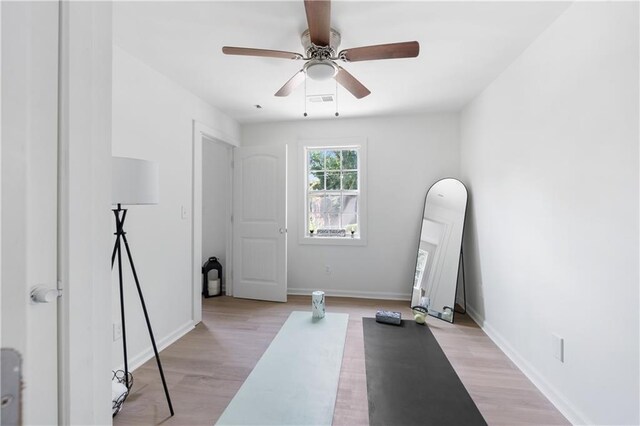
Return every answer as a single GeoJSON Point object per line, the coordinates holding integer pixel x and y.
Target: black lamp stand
{"type": "Point", "coordinates": [120, 215]}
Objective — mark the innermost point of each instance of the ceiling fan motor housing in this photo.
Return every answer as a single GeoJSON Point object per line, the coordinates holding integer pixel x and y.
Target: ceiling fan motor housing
{"type": "Point", "coordinates": [321, 52]}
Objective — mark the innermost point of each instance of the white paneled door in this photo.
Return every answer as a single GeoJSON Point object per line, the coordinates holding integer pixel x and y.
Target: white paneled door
{"type": "Point", "coordinates": [260, 223]}
{"type": "Point", "coordinates": [29, 204]}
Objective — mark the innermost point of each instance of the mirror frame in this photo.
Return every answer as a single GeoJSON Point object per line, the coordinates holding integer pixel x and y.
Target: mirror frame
{"type": "Point", "coordinates": [464, 221]}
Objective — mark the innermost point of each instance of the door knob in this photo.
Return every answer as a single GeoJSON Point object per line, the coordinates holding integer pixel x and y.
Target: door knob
{"type": "Point", "coordinates": [42, 294]}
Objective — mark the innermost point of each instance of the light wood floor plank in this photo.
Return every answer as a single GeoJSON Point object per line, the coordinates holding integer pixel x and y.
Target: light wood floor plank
{"type": "Point", "coordinates": [205, 368]}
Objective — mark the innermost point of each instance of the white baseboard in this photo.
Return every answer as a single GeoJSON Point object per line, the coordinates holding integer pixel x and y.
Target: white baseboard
{"type": "Point", "coordinates": [567, 409]}
{"type": "Point", "coordinates": [384, 295]}
{"type": "Point", "coordinates": [144, 356]}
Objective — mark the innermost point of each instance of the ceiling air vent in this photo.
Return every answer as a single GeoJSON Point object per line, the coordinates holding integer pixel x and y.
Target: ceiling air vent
{"type": "Point", "coordinates": [320, 98]}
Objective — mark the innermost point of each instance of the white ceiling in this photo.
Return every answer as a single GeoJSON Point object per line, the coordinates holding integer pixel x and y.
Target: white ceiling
{"type": "Point", "coordinates": [463, 47]}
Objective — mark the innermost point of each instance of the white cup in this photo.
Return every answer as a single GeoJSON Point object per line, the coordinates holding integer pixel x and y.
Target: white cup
{"type": "Point", "coordinates": [317, 304]}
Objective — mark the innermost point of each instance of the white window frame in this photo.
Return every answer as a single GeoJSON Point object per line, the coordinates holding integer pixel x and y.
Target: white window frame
{"type": "Point", "coordinates": [338, 143]}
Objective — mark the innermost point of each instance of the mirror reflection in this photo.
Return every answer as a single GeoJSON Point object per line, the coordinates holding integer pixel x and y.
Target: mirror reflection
{"type": "Point", "coordinates": [439, 249]}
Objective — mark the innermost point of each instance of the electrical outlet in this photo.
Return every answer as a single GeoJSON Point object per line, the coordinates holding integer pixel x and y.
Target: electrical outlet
{"type": "Point", "coordinates": [327, 269]}
{"type": "Point", "coordinates": [117, 331]}
{"type": "Point", "coordinates": [558, 347]}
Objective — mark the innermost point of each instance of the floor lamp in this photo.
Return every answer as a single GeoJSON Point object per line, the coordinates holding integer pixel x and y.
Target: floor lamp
{"type": "Point", "coordinates": [134, 182]}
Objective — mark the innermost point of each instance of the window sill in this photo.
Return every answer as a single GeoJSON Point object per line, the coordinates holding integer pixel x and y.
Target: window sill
{"type": "Point", "coordinates": [333, 241]}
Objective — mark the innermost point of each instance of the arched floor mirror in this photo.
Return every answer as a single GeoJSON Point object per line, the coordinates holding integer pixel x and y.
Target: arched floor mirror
{"type": "Point", "coordinates": [440, 249]}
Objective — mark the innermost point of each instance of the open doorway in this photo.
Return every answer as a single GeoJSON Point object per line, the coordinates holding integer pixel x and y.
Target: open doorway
{"type": "Point", "coordinates": [216, 205]}
{"type": "Point", "coordinates": [212, 207]}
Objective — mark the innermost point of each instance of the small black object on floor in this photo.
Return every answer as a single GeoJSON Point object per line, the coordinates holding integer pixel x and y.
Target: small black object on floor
{"type": "Point", "coordinates": [410, 380]}
{"type": "Point", "coordinates": [389, 317]}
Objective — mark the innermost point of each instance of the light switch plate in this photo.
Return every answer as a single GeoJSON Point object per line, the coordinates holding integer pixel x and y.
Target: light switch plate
{"type": "Point", "coordinates": [117, 331]}
{"type": "Point", "coordinates": [558, 347]}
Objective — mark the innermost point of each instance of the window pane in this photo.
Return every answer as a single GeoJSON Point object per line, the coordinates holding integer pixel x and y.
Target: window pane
{"type": "Point", "coordinates": [316, 203]}
{"type": "Point", "coordinates": [316, 160]}
{"type": "Point", "coordinates": [316, 221]}
{"type": "Point", "coordinates": [333, 181]}
{"type": "Point", "coordinates": [349, 181]}
{"type": "Point", "coordinates": [350, 204]}
{"type": "Point", "coordinates": [350, 222]}
{"type": "Point", "coordinates": [332, 221]}
{"type": "Point", "coordinates": [316, 181]}
{"type": "Point", "coordinates": [333, 160]}
{"type": "Point", "coordinates": [333, 204]}
{"type": "Point", "coordinates": [349, 160]}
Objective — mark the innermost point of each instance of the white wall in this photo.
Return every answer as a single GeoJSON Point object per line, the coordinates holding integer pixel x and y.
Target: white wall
{"type": "Point", "coordinates": [405, 156]}
{"type": "Point", "coordinates": [216, 199]}
{"type": "Point", "coordinates": [550, 153]}
{"type": "Point", "coordinates": [153, 119]}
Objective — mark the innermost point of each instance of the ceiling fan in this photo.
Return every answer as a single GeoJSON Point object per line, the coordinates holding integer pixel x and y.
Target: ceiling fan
{"type": "Point", "coordinates": [321, 43]}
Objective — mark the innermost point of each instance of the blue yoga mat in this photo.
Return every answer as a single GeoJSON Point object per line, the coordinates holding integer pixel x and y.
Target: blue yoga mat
{"type": "Point", "coordinates": [296, 380]}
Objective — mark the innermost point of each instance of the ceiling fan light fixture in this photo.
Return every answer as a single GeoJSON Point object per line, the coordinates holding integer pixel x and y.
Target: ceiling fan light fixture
{"type": "Point", "coordinates": [321, 70]}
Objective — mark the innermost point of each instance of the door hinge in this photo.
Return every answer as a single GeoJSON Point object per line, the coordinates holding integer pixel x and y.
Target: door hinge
{"type": "Point", "coordinates": [231, 218]}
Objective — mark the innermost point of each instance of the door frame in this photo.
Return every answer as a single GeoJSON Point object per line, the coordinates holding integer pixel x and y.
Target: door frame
{"type": "Point", "coordinates": [200, 132]}
{"type": "Point", "coordinates": [84, 198]}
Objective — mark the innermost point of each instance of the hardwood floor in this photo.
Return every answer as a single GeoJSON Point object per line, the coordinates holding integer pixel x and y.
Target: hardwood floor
{"type": "Point", "coordinates": [206, 367]}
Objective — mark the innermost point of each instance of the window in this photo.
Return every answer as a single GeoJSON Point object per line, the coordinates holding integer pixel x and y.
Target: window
{"type": "Point", "coordinates": [333, 196]}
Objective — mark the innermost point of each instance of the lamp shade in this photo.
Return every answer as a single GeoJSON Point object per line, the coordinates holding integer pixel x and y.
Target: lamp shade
{"type": "Point", "coordinates": [134, 181]}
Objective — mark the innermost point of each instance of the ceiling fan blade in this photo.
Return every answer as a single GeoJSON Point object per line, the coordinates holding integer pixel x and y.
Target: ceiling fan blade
{"type": "Point", "coordinates": [350, 83]}
{"type": "Point", "coordinates": [247, 51]}
{"type": "Point", "coordinates": [408, 49]}
{"type": "Point", "coordinates": [290, 85]}
{"type": "Point", "coordinates": [319, 21]}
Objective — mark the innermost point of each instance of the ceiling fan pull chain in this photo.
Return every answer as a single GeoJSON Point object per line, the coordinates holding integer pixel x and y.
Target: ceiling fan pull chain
{"type": "Point", "coordinates": [337, 114]}
{"type": "Point", "coordinates": [305, 95]}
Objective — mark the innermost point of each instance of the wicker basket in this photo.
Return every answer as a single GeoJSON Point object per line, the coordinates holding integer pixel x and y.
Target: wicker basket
{"type": "Point", "coordinates": [119, 376]}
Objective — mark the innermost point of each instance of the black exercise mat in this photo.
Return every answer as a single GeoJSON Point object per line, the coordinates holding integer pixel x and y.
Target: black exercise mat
{"type": "Point", "coordinates": [410, 380]}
